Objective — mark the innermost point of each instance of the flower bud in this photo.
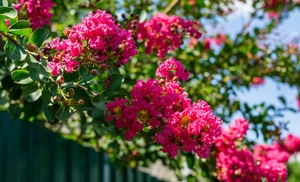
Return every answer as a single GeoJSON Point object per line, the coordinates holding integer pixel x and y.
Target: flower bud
{"type": "Point", "coordinates": [67, 31]}
{"type": "Point", "coordinates": [56, 99]}
{"type": "Point", "coordinates": [94, 72]}
{"type": "Point", "coordinates": [121, 48]}
{"type": "Point", "coordinates": [38, 57]}
{"type": "Point", "coordinates": [80, 102]}
{"type": "Point", "coordinates": [60, 79]}
{"type": "Point", "coordinates": [103, 67]}
{"type": "Point", "coordinates": [71, 92]}
{"type": "Point", "coordinates": [31, 47]}
{"type": "Point", "coordinates": [67, 103]}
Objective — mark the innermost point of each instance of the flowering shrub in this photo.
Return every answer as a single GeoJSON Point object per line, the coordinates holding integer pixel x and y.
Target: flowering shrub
{"type": "Point", "coordinates": [94, 73]}
{"type": "Point", "coordinates": [99, 43]}
{"type": "Point", "coordinates": [162, 106]}
{"type": "Point", "coordinates": [164, 33]}
{"type": "Point", "coordinates": [236, 162]}
{"type": "Point", "coordinates": [38, 11]}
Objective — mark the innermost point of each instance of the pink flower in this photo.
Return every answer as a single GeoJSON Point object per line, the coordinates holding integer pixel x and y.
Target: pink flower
{"type": "Point", "coordinates": [164, 33]}
{"type": "Point", "coordinates": [256, 81]}
{"type": "Point", "coordinates": [206, 43]}
{"type": "Point", "coordinates": [235, 162]}
{"type": "Point", "coordinates": [219, 39]}
{"type": "Point", "coordinates": [96, 40]}
{"type": "Point", "coordinates": [273, 15]}
{"type": "Point", "coordinates": [273, 171]}
{"type": "Point", "coordinates": [291, 144]}
{"type": "Point", "coordinates": [237, 165]}
{"type": "Point", "coordinates": [38, 11]}
{"type": "Point", "coordinates": [194, 129]}
{"type": "Point", "coordinates": [264, 153]}
{"type": "Point", "coordinates": [171, 68]}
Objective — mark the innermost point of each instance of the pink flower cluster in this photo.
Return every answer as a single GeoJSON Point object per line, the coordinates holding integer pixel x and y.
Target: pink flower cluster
{"type": "Point", "coordinates": [96, 40]}
{"type": "Point", "coordinates": [217, 40]}
{"type": "Point", "coordinates": [163, 108]}
{"type": "Point", "coordinates": [164, 33]}
{"type": "Point", "coordinates": [236, 162]}
{"type": "Point", "coordinates": [38, 11]}
{"type": "Point", "coordinates": [271, 4]}
{"type": "Point", "coordinates": [170, 68]}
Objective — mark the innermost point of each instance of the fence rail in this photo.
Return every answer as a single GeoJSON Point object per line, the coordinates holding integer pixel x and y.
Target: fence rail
{"type": "Point", "coordinates": [30, 153]}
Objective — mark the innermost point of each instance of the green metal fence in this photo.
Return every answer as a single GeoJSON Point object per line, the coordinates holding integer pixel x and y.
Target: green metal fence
{"type": "Point", "coordinates": [30, 153]}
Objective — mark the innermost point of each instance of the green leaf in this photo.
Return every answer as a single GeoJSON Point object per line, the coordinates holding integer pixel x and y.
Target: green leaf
{"type": "Point", "coordinates": [63, 113]}
{"type": "Point", "coordinates": [14, 52]}
{"type": "Point", "coordinates": [14, 110]}
{"type": "Point", "coordinates": [35, 75]}
{"type": "Point", "coordinates": [3, 26]}
{"type": "Point", "coordinates": [98, 102]}
{"type": "Point", "coordinates": [20, 28]}
{"type": "Point", "coordinates": [49, 112]}
{"type": "Point", "coordinates": [95, 113]}
{"type": "Point", "coordinates": [282, 99]}
{"type": "Point", "coordinates": [3, 3]}
{"type": "Point", "coordinates": [114, 86]}
{"type": "Point", "coordinates": [39, 36]}
{"type": "Point", "coordinates": [31, 61]}
{"type": "Point", "coordinates": [8, 13]}
{"type": "Point", "coordinates": [200, 3]}
{"type": "Point", "coordinates": [143, 16]}
{"type": "Point", "coordinates": [21, 76]}
{"type": "Point", "coordinates": [190, 159]}
{"type": "Point", "coordinates": [31, 92]}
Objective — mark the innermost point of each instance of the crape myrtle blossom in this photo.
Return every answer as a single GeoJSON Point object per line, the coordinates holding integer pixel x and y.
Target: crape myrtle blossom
{"type": "Point", "coordinates": [38, 11]}
{"type": "Point", "coordinates": [235, 162]}
{"type": "Point", "coordinates": [257, 81]}
{"type": "Point", "coordinates": [97, 40]}
{"type": "Point", "coordinates": [165, 33]}
{"type": "Point", "coordinates": [162, 107]}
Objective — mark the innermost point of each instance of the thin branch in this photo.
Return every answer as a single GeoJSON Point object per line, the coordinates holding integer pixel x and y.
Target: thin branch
{"type": "Point", "coordinates": [10, 38]}
{"type": "Point", "coordinates": [170, 6]}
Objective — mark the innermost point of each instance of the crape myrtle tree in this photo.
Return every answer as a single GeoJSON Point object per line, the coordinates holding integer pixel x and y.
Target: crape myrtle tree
{"type": "Point", "coordinates": [148, 80]}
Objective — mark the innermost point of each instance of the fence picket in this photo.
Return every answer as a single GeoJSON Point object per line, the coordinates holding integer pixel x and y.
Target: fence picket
{"type": "Point", "coordinates": [30, 153]}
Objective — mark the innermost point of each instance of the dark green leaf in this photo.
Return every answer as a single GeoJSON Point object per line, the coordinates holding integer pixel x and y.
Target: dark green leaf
{"type": "Point", "coordinates": [39, 36]}
{"type": "Point", "coordinates": [114, 86]}
{"type": "Point", "coordinates": [3, 3]}
{"type": "Point", "coordinates": [14, 110]}
{"type": "Point", "coordinates": [282, 99]}
{"type": "Point", "coordinates": [21, 76]}
{"type": "Point", "coordinates": [98, 102]}
{"type": "Point", "coordinates": [95, 113]}
{"type": "Point", "coordinates": [8, 13]}
{"type": "Point", "coordinates": [49, 112]}
{"type": "Point", "coordinates": [200, 3]}
{"type": "Point", "coordinates": [63, 113]}
{"type": "Point", "coordinates": [14, 52]}
{"type": "Point", "coordinates": [31, 93]}
{"type": "Point", "coordinates": [20, 28]}
{"type": "Point", "coordinates": [190, 159]}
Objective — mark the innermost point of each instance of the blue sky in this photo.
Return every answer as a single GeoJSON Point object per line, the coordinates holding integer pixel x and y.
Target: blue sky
{"type": "Point", "coordinates": [270, 91]}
